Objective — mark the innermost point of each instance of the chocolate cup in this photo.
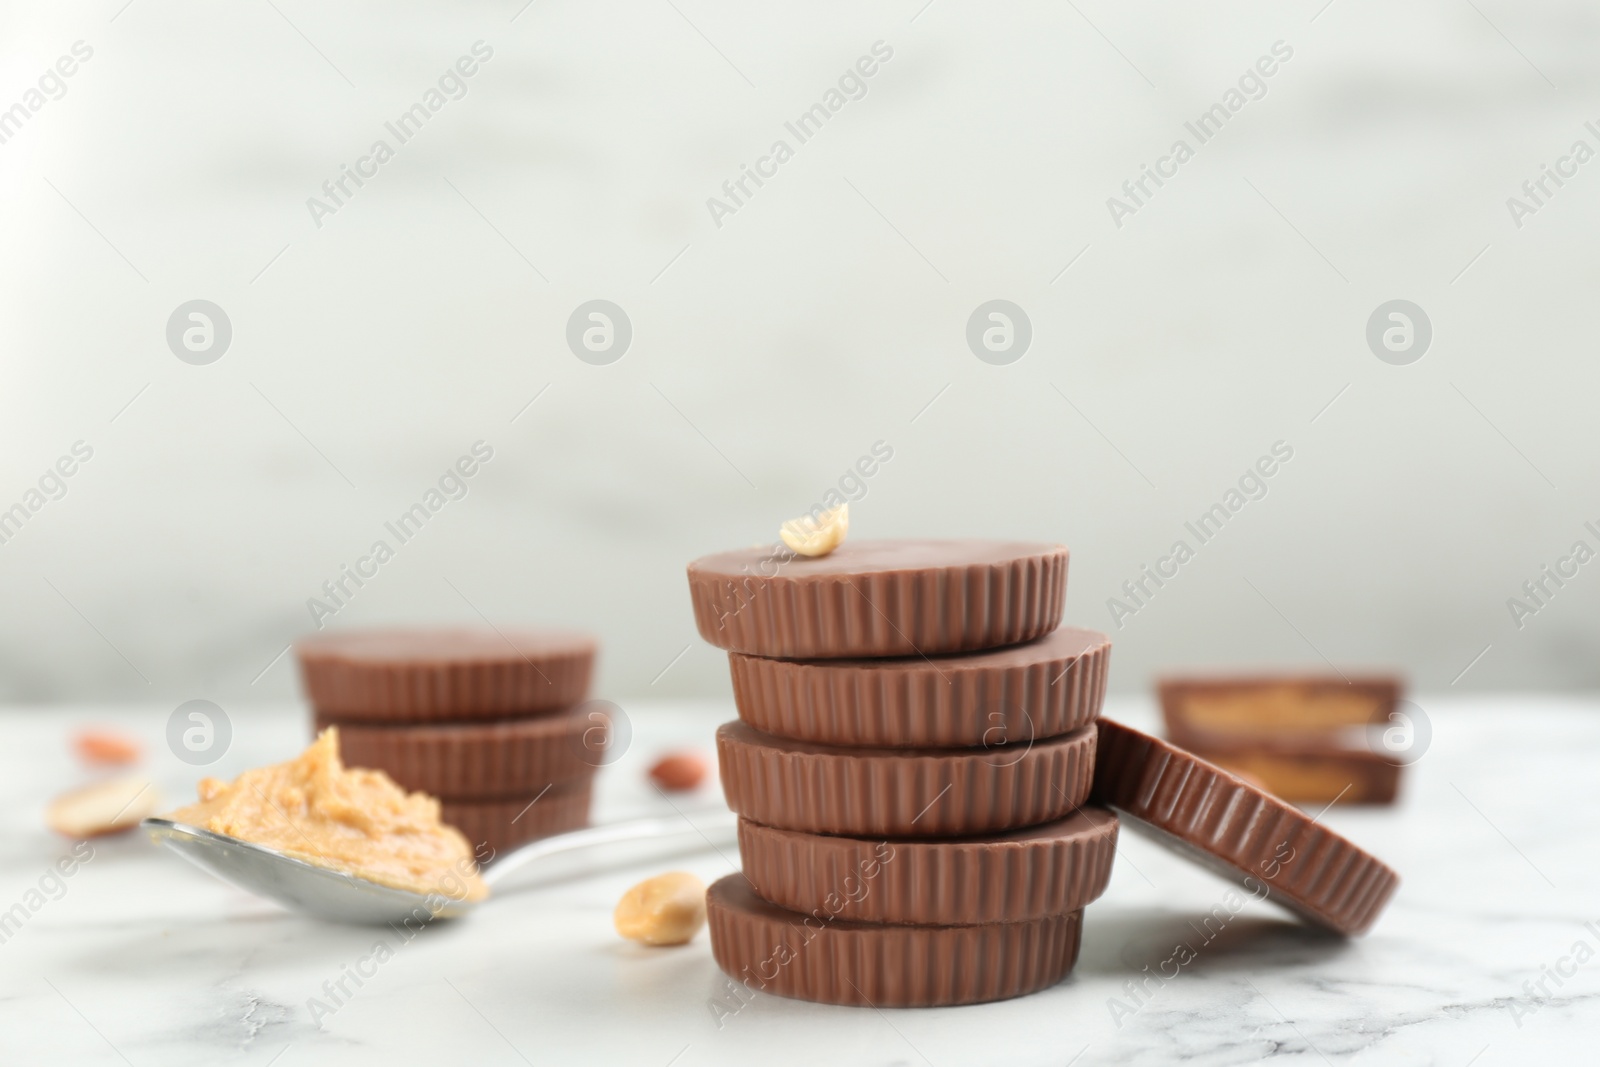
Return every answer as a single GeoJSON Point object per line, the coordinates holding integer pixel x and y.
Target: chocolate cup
{"type": "Point", "coordinates": [796, 785]}
{"type": "Point", "coordinates": [879, 598]}
{"type": "Point", "coordinates": [478, 761]}
{"type": "Point", "coordinates": [494, 827]}
{"type": "Point", "coordinates": [766, 948]}
{"type": "Point", "coordinates": [406, 676]}
{"type": "Point", "coordinates": [1011, 877]}
{"type": "Point", "coordinates": [1044, 688]}
{"type": "Point", "coordinates": [1241, 832]}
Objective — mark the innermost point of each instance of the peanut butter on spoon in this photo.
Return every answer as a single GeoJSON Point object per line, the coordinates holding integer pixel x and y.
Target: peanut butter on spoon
{"type": "Point", "coordinates": [356, 821]}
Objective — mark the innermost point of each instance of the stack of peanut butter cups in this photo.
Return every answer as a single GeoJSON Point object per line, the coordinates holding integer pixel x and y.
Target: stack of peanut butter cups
{"type": "Point", "coordinates": [915, 746]}
{"type": "Point", "coordinates": [493, 724]}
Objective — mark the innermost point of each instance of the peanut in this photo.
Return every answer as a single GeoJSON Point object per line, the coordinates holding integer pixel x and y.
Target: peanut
{"type": "Point", "coordinates": [103, 808]}
{"type": "Point", "coordinates": [668, 909]}
{"type": "Point", "coordinates": [105, 747]}
{"type": "Point", "coordinates": [679, 772]}
{"type": "Point", "coordinates": [817, 536]}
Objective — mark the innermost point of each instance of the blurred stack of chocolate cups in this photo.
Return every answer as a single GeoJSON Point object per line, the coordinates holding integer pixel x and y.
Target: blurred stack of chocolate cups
{"type": "Point", "coordinates": [493, 724]}
{"type": "Point", "coordinates": [914, 750]}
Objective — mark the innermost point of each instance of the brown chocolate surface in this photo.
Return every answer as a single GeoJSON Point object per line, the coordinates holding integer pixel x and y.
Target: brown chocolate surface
{"type": "Point", "coordinates": [879, 598]}
{"type": "Point", "coordinates": [1241, 832]}
{"type": "Point", "coordinates": [797, 785]}
{"type": "Point", "coordinates": [1009, 877]}
{"type": "Point", "coordinates": [494, 827]}
{"type": "Point", "coordinates": [1040, 689]}
{"type": "Point", "coordinates": [431, 675]}
{"type": "Point", "coordinates": [479, 760]}
{"type": "Point", "coordinates": [817, 957]}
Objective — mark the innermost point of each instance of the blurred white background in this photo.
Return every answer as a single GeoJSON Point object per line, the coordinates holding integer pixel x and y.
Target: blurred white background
{"type": "Point", "coordinates": [828, 313]}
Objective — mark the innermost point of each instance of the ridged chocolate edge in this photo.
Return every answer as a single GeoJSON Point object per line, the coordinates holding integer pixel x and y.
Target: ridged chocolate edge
{"type": "Point", "coordinates": [430, 692]}
{"type": "Point", "coordinates": [1240, 830]}
{"type": "Point", "coordinates": [960, 881]}
{"type": "Point", "coordinates": [901, 613]}
{"type": "Point", "coordinates": [903, 792]}
{"type": "Point", "coordinates": [920, 706]}
{"type": "Point", "coordinates": [474, 761]}
{"type": "Point", "coordinates": [502, 825]}
{"type": "Point", "coordinates": [764, 948]}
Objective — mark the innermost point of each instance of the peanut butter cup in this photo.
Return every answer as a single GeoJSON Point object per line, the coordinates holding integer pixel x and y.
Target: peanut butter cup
{"type": "Point", "coordinates": [1238, 830]}
{"type": "Point", "coordinates": [879, 598]}
{"type": "Point", "coordinates": [1023, 874]}
{"type": "Point", "coordinates": [797, 785]}
{"type": "Point", "coordinates": [835, 961]}
{"type": "Point", "coordinates": [493, 827]}
{"type": "Point", "coordinates": [480, 760]}
{"type": "Point", "coordinates": [403, 676]}
{"type": "Point", "coordinates": [1046, 687]}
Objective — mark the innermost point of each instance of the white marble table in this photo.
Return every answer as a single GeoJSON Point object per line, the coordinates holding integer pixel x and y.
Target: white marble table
{"type": "Point", "coordinates": [143, 960]}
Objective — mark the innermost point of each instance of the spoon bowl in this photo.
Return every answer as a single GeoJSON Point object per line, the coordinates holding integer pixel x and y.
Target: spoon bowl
{"type": "Point", "coordinates": [337, 896]}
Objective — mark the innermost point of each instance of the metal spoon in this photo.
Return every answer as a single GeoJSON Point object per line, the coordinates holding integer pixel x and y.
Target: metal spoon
{"type": "Point", "coordinates": [346, 898]}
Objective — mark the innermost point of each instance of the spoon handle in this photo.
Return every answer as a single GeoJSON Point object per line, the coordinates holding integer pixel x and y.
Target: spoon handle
{"type": "Point", "coordinates": [707, 823]}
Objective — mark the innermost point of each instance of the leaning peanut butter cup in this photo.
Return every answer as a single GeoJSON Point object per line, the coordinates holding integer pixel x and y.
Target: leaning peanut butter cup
{"type": "Point", "coordinates": [1239, 831]}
